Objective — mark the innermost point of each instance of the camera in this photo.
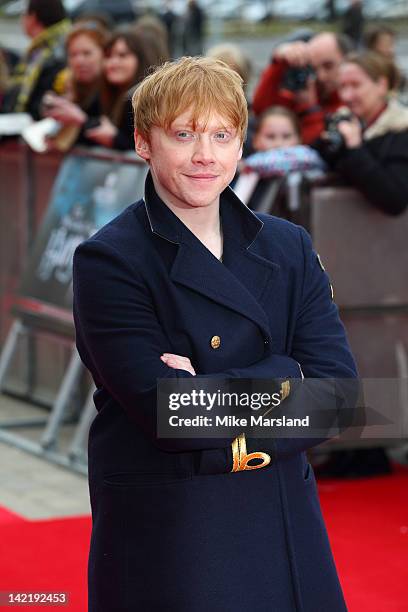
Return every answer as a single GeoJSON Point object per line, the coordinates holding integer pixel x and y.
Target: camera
{"type": "Point", "coordinates": [295, 79]}
{"type": "Point", "coordinates": [333, 139]}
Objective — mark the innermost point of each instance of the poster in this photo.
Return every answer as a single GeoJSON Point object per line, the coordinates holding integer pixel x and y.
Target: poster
{"type": "Point", "coordinates": [87, 194]}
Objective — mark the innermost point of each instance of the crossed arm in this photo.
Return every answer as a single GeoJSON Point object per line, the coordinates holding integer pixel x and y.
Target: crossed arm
{"type": "Point", "coordinates": [124, 346]}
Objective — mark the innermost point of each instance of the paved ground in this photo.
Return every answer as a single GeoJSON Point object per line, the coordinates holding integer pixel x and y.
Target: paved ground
{"type": "Point", "coordinates": [33, 487]}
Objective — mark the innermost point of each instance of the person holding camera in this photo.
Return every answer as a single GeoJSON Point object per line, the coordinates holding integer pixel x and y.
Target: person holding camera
{"type": "Point", "coordinates": [303, 76]}
{"type": "Point", "coordinates": [367, 145]}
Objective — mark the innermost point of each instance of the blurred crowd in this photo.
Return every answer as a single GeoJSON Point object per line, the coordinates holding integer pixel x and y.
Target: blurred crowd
{"type": "Point", "coordinates": [82, 73]}
{"type": "Point", "coordinates": [326, 101]}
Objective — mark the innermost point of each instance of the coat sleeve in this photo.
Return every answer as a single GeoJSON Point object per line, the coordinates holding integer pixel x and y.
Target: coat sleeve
{"type": "Point", "coordinates": [320, 346]}
{"type": "Point", "coordinates": [47, 81]}
{"type": "Point", "coordinates": [120, 340]}
{"type": "Point", "coordinates": [267, 91]}
{"type": "Point", "coordinates": [383, 182]}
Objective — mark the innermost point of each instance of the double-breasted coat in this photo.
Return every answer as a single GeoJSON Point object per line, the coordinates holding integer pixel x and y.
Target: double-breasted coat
{"type": "Point", "coordinates": [174, 530]}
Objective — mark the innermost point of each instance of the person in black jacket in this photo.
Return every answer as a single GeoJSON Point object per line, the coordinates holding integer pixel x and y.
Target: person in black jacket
{"type": "Point", "coordinates": [193, 30]}
{"type": "Point", "coordinates": [374, 154]}
{"type": "Point", "coordinates": [353, 21]}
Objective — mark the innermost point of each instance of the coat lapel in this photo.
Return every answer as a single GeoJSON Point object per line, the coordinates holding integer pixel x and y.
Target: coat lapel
{"type": "Point", "coordinates": [237, 282]}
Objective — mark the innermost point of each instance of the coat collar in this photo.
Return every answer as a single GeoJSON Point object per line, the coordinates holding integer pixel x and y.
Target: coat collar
{"type": "Point", "coordinates": [394, 118]}
{"type": "Point", "coordinates": [240, 280]}
{"type": "Point", "coordinates": [234, 213]}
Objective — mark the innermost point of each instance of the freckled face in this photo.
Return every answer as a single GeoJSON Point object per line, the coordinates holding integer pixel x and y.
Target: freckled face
{"type": "Point", "coordinates": [191, 167]}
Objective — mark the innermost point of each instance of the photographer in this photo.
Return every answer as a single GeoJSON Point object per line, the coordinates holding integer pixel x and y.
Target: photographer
{"type": "Point", "coordinates": [368, 146]}
{"type": "Point", "coordinates": [303, 76]}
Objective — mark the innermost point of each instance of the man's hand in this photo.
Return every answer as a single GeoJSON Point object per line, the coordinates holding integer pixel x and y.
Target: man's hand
{"type": "Point", "coordinates": [177, 362]}
{"type": "Point", "coordinates": [351, 132]}
{"type": "Point", "coordinates": [308, 97]}
{"type": "Point", "coordinates": [295, 54]}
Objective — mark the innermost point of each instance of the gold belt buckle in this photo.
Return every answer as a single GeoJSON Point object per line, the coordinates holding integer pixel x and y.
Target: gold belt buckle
{"type": "Point", "coordinates": [241, 459]}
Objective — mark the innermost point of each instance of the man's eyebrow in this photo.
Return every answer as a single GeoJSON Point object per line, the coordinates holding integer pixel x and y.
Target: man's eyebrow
{"type": "Point", "coordinates": [190, 126]}
{"type": "Point", "coordinates": [181, 126]}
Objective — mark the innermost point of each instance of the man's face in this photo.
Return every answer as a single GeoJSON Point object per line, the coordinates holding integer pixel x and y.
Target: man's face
{"type": "Point", "coordinates": [191, 167]}
{"type": "Point", "coordinates": [325, 57]}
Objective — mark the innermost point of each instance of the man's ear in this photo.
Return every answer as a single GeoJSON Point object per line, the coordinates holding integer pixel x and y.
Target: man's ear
{"type": "Point", "coordinates": [240, 152]}
{"type": "Point", "coordinates": [142, 147]}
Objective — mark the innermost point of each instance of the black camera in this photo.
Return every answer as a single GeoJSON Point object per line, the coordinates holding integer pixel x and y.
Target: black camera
{"type": "Point", "coordinates": [295, 79]}
{"type": "Point", "coordinates": [333, 139]}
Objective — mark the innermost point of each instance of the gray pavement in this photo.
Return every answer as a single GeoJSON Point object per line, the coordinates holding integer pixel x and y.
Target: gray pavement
{"type": "Point", "coordinates": [33, 487]}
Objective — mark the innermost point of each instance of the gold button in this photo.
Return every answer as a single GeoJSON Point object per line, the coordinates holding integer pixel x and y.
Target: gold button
{"type": "Point", "coordinates": [215, 342]}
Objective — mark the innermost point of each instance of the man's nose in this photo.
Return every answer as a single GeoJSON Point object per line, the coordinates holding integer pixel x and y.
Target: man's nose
{"type": "Point", "coordinates": [321, 75]}
{"type": "Point", "coordinates": [203, 150]}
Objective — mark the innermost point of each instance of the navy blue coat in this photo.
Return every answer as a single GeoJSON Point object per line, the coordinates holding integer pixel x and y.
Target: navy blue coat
{"type": "Point", "coordinates": [173, 529]}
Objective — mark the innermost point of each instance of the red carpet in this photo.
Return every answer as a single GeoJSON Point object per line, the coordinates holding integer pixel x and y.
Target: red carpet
{"type": "Point", "coordinates": [367, 522]}
{"type": "Point", "coordinates": [44, 556]}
